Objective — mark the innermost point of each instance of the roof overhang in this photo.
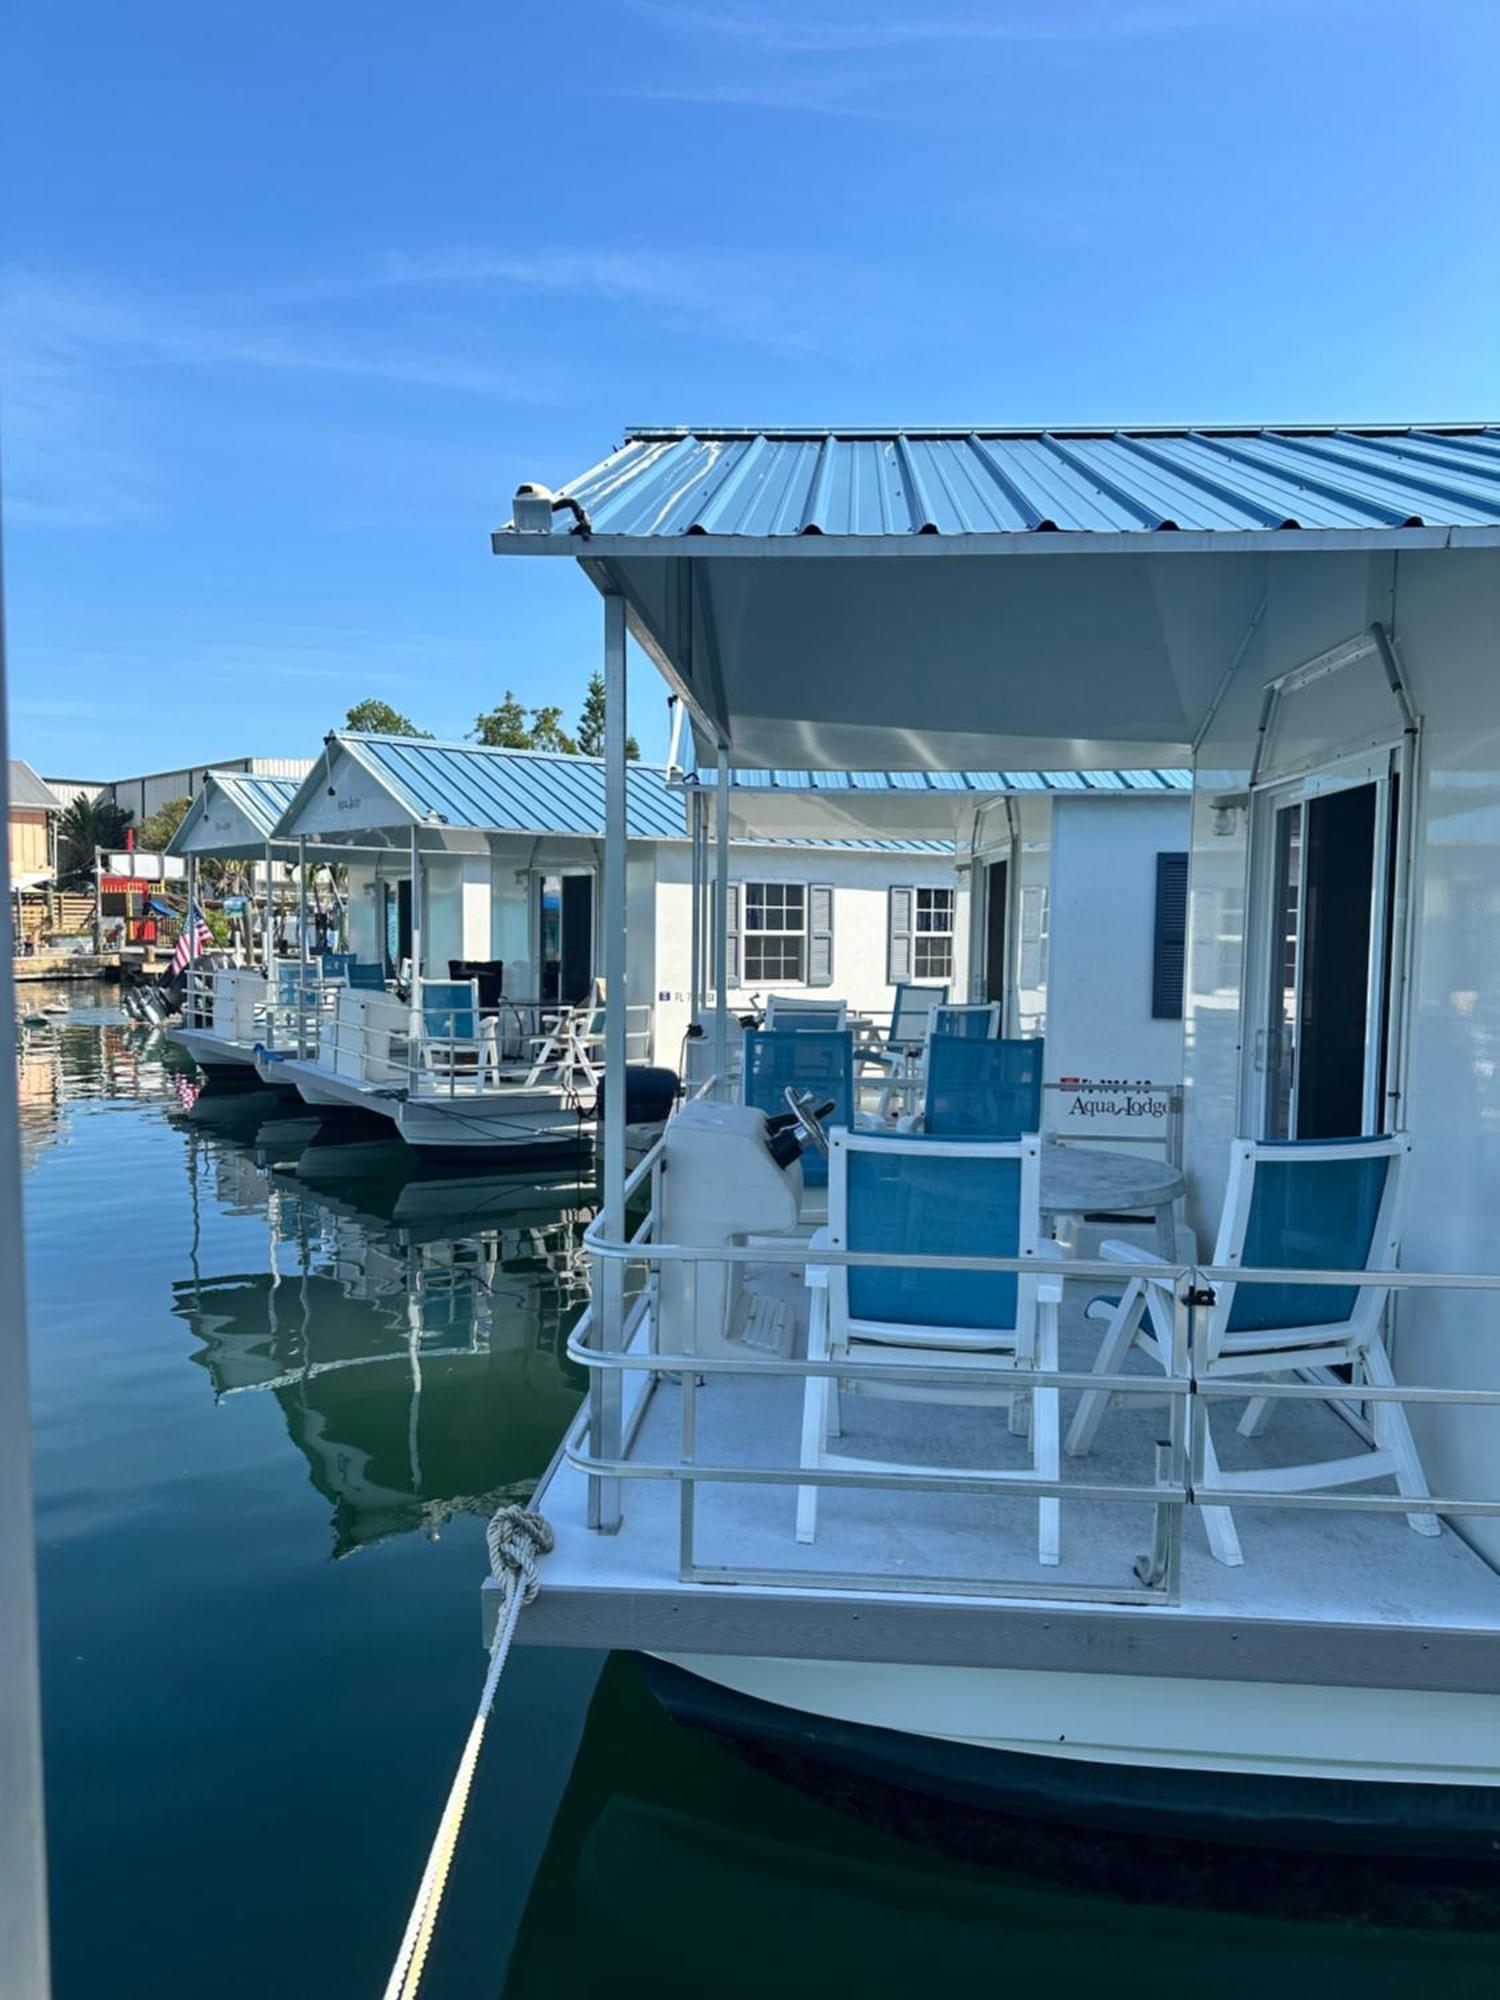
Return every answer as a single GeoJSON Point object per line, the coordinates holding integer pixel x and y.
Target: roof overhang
{"type": "Point", "coordinates": [865, 809]}
{"type": "Point", "coordinates": [911, 601]}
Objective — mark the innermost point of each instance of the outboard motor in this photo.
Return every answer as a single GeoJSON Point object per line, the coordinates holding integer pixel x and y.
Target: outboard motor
{"type": "Point", "coordinates": [649, 1095]}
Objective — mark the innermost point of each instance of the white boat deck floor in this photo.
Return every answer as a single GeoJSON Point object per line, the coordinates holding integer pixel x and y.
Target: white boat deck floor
{"type": "Point", "coordinates": [1324, 1566]}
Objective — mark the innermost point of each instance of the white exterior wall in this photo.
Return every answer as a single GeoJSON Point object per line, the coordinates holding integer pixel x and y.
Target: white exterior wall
{"type": "Point", "coordinates": [1445, 607]}
{"type": "Point", "coordinates": [860, 881]}
{"type": "Point", "coordinates": [1103, 924]}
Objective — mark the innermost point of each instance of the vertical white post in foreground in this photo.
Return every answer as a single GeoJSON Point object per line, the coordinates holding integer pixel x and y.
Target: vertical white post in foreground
{"type": "Point", "coordinates": [606, 1387]}
{"type": "Point", "coordinates": [414, 1028]}
{"type": "Point", "coordinates": [695, 856]}
{"type": "Point", "coordinates": [721, 927]}
{"type": "Point", "coordinates": [23, 1870]}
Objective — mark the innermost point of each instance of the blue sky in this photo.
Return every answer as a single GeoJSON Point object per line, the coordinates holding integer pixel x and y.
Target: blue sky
{"type": "Point", "coordinates": [295, 295]}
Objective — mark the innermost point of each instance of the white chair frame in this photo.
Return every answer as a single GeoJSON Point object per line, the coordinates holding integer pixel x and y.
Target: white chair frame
{"type": "Point", "coordinates": [834, 1335]}
{"type": "Point", "coordinates": [1143, 1316]}
{"type": "Point", "coordinates": [903, 1044]}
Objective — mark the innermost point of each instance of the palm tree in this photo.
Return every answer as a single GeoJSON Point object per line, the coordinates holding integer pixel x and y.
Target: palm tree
{"type": "Point", "coordinates": [87, 824]}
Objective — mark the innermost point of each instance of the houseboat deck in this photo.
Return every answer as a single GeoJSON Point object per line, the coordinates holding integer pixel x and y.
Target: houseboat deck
{"type": "Point", "coordinates": [1331, 1595]}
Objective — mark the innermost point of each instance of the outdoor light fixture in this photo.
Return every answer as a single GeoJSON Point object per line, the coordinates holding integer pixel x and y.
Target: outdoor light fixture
{"type": "Point", "coordinates": [534, 506]}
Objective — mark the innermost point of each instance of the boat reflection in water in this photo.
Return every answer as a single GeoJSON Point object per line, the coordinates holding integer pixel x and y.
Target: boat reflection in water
{"type": "Point", "coordinates": [412, 1333]}
{"type": "Point", "coordinates": [703, 1873]}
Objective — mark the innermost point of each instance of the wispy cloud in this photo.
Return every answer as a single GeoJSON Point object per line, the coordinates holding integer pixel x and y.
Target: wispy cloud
{"type": "Point", "coordinates": [800, 30]}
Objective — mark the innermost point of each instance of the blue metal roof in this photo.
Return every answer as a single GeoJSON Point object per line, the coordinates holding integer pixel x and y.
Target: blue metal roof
{"type": "Point", "coordinates": [1162, 780]}
{"type": "Point", "coordinates": [524, 791]}
{"type": "Point", "coordinates": [262, 800]}
{"type": "Point", "coordinates": [256, 805]}
{"type": "Point", "coordinates": [787, 483]}
{"type": "Point", "coordinates": [547, 792]}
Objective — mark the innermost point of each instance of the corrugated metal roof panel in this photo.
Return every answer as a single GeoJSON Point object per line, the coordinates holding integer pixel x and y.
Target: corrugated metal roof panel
{"type": "Point", "coordinates": [1147, 481]}
{"type": "Point", "coordinates": [524, 791]}
{"type": "Point", "coordinates": [262, 799]}
{"type": "Point", "coordinates": [24, 788]}
{"type": "Point", "coordinates": [1163, 780]}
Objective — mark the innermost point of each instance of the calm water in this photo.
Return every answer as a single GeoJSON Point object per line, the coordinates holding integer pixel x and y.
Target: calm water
{"type": "Point", "coordinates": [270, 1421]}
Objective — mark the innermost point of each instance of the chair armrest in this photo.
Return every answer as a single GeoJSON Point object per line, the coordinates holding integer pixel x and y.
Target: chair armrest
{"type": "Point", "coordinates": [1049, 1291]}
{"type": "Point", "coordinates": [1115, 1252]}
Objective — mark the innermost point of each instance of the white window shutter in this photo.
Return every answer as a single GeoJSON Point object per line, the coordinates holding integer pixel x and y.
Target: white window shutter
{"type": "Point", "coordinates": [1031, 937]}
{"type": "Point", "coordinates": [820, 934]}
{"type": "Point", "coordinates": [902, 922]}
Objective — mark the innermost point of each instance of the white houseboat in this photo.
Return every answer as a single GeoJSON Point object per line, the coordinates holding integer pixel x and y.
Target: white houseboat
{"type": "Point", "coordinates": [232, 817]}
{"type": "Point", "coordinates": [481, 867]}
{"type": "Point", "coordinates": [1190, 1537]}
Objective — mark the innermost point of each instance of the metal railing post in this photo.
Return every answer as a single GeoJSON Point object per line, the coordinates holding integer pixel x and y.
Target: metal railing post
{"type": "Point", "coordinates": [606, 1392]}
{"type": "Point", "coordinates": [721, 923]}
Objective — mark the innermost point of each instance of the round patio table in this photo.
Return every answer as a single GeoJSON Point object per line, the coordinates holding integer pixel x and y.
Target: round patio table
{"type": "Point", "coordinates": [1090, 1180]}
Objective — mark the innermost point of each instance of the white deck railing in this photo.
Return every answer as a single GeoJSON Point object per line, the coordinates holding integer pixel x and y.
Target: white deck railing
{"type": "Point", "coordinates": [370, 1037]}
{"type": "Point", "coordinates": [606, 1447]}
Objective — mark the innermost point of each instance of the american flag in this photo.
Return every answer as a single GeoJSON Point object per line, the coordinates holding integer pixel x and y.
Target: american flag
{"type": "Point", "coordinates": [195, 937]}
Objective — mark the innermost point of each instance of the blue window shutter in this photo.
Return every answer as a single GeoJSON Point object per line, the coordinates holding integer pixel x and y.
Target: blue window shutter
{"type": "Point", "coordinates": [820, 934]}
{"type": "Point", "coordinates": [1169, 944]}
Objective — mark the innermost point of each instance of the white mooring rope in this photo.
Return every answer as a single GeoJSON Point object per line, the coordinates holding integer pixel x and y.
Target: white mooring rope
{"type": "Point", "coordinates": [516, 1537]}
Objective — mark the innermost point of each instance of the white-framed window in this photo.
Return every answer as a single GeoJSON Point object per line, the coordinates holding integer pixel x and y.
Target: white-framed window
{"type": "Point", "coordinates": [774, 916]}
{"type": "Point", "coordinates": [932, 941]}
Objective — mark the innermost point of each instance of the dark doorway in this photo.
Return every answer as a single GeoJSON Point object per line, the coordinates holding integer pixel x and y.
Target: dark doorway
{"type": "Point", "coordinates": [1334, 1011]}
{"type": "Point", "coordinates": [996, 929]}
{"type": "Point", "coordinates": [576, 971]}
{"type": "Point", "coordinates": [397, 941]}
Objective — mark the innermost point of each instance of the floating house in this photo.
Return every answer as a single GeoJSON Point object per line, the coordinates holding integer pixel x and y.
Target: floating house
{"type": "Point", "coordinates": [481, 869]}
{"type": "Point", "coordinates": [1199, 1531]}
{"type": "Point", "coordinates": [226, 1009]}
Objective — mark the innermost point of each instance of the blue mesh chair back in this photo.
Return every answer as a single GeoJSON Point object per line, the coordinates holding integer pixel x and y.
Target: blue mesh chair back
{"type": "Point", "coordinates": [336, 964]}
{"type": "Point", "coordinates": [975, 1023]}
{"type": "Point", "coordinates": [932, 1204]}
{"type": "Point", "coordinates": [450, 1010]}
{"type": "Point", "coordinates": [807, 1060]}
{"type": "Point", "coordinates": [367, 977]}
{"type": "Point", "coordinates": [1309, 1215]}
{"type": "Point", "coordinates": [296, 984]}
{"type": "Point", "coordinates": [912, 1013]}
{"type": "Point", "coordinates": [804, 1017]}
{"type": "Point", "coordinates": [983, 1089]}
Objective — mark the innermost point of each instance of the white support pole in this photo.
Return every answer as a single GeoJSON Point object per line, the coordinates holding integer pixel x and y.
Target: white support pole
{"type": "Point", "coordinates": [414, 1030]}
{"type": "Point", "coordinates": [190, 1010]}
{"type": "Point", "coordinates": [695, 848]}
{"type": "Point", "coordinates": [302, 947]}
{"type": "Point", "coordinates": [268, 927]}
{"type": "Point", "coordinates": [721, 927]}
{"type": "Point", "coordinates": [605, 1394]}
{"type": "Point", "coordinates": [23, 1866]}
{"type": "Point", "coordinates": [99, 899]}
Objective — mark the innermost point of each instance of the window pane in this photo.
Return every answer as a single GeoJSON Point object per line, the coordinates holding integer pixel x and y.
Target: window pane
{"type": "Point", "coordinates": [932, 957]}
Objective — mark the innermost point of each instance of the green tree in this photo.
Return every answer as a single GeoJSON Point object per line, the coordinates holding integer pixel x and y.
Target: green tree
{"type": "Point", "coordinates": [503, 727]}
{"type": "Point", "coordinates": [84, 825]}
{"type": "Point", "coordinates": [591, 723]}
{"type": "Point", "coordinates": [157, 828]}
{"type": "Point", "coordinates": [547, 732]}
{"type": "Point", "coordinates": [378, 718]}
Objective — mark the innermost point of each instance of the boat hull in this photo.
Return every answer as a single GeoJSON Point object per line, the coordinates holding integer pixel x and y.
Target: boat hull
{"type": "Point", "coordinates": [1399, 1771]}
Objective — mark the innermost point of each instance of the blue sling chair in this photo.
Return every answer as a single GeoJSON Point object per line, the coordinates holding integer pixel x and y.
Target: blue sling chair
{"type": "Point", "coordinates": [982, 1089]}
{"type": "Point", "coordinates": [791, 1011]}
{"type": "Point", "coordinates": [819, 1060]}
{"type": "Point", "coordinates": [1331, 1205]}
{"type": "Point", "coordinates": [932, 1197]}
{"type": "Point", "coordinates": [450, 1025]}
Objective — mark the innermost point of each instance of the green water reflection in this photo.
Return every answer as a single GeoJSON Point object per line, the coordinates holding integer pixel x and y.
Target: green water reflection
{"type": "Point", "coordinates": [270, 1420]}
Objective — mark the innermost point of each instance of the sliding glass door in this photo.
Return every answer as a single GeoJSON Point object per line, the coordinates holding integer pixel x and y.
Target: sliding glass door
{"type": "Point", "coordinates": [1328, 850]}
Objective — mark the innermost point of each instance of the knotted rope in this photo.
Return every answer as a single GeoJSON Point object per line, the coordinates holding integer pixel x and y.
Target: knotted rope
{"type": "Point", "coordinates": [515, 1537]}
